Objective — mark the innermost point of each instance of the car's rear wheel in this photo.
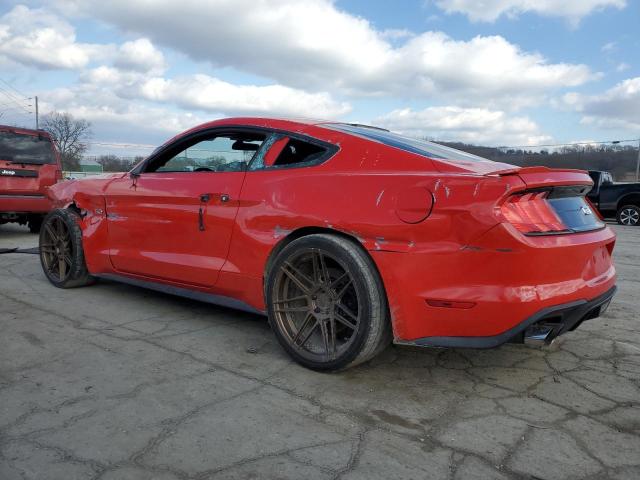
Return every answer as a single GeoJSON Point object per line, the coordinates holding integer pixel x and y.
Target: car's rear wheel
{"type": "Point", "coordinates": [628, 215]}
{"type": "Point", "coordinates": [326, 303]}
{"type": "Point", "coordinates": [61, 253]}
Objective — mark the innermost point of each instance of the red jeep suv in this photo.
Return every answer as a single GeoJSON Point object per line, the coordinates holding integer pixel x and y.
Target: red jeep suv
{"type": "Point", "coordinates": [29, 163]}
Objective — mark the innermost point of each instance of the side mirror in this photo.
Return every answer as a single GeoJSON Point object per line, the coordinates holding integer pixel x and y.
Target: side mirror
{"type": "Point", "coordinates": [134, 179]}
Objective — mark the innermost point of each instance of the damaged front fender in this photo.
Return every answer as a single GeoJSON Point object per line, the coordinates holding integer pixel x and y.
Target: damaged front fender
{"type": "Point", "coordinates": [87, 195]}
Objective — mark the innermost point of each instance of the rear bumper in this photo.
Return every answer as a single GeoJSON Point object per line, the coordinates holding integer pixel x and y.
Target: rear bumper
{"type": "Point", "coordinates": [484, 289]}
{"type": "Point", "coordinates": [545, 325]}
{"type": "Point", "coordinates": [24, 204]}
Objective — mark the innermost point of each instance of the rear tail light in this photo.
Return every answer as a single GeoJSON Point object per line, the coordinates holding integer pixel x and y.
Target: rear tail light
{"type": "Point", "coordinates": [532, 214]}
{"type": "Point", "coordinates": [610, 246]}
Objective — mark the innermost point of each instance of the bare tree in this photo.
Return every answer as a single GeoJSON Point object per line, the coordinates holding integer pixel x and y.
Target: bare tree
{"type": "Point", "coordinates": [70, 136]}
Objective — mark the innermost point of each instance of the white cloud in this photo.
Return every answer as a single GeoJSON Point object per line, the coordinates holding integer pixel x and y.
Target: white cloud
{"type": "Point", "coordinates": [37, 38]}
{"type": "Point", "coordinates": [140, 56]}
{"type": "Point", "coordinates": [491, 10]}
{"type": "Point", "coordinates": [130, 83]}
{"type": "Point", "coordinates": [207, 93]}
{"type": "Point", "coordinates": [617, 108]}
{"type": "Point", "coordinates": [130, 104]}
{"type": "Point", "coordinates": [481, 68]}
{"type": "Point", "coordinates": [116, 118]}
{"type": "Point", "coordinates": [396, 33]}
{"type": "Point", "coordinates": [479, 126]}
{"type": "Point", "coordinates": [314, 45]}
{"type": "Point", "coordinates": [210, 94]}
{"type": "Point", "coordinates": [310, 56]}
{"type": "Point", "coordinates": [622, 67]}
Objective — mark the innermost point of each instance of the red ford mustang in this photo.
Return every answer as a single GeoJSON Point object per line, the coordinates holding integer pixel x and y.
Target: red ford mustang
{"type": "Point", "coordinates": [346, 236]}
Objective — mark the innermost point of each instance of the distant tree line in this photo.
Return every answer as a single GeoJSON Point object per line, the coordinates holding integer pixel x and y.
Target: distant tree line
{"type": "Point", "coordinates": [620, 160]}
{"type": "Point", "coordinates": [114, 163]}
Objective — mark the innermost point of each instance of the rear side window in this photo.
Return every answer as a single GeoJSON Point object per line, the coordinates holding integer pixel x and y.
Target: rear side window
{"type": "Point", "coordinates": [21, 148]}
{"type": "Point", "coordinates": [408, 144]}
{"type": "Point", "coordinates": [299, 152]}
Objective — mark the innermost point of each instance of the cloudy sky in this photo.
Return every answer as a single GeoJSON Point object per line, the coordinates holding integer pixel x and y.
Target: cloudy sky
{"type": "Point", "coordinates": [496, 72]}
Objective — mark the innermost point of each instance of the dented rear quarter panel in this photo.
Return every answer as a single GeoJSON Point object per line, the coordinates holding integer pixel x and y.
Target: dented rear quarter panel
{"type": "Point", "coordinates": [356, 193]}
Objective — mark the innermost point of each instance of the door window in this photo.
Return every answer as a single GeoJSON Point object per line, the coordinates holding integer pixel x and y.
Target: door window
{"type": "Point", "coordinates": [222, 153]}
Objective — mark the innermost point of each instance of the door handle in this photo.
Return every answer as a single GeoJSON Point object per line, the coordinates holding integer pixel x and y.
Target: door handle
{"type": "Point", "coordinates": [204, 199]}
{"type": "Point", "coordinates": [200, 219]}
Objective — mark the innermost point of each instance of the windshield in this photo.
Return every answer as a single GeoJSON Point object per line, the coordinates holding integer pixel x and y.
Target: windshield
{"type": "Point", "coordinates": [21, 148]}
{"type": "Point", "coordinates": [408, 144]}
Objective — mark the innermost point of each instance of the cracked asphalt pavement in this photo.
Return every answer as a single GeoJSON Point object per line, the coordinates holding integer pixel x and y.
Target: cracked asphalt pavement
{"type": "Point", "coordinates": [116, 382]}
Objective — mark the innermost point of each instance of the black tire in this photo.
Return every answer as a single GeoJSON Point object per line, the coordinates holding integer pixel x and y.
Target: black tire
{"type": "Point", "coordinates": [35, 222]}
{"type": "Point", "coordinates": [72, 271]}
{"type": "Point", "coordinates": [330, 343]}
{"type": "Point", "coordinates": [628, 215]}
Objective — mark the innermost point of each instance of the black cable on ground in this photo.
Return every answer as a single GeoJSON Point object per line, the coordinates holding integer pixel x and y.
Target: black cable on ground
{"type": "Point", "coordinates": [33, 250]}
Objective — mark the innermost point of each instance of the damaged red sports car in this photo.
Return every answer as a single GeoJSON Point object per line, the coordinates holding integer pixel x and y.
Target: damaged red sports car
{"type": "Point", "coordinates": [346, 236]}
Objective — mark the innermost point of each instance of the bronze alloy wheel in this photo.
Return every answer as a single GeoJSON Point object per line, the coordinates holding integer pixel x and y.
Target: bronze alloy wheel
{"type": "Point", "coordinates": [56, 249]}
{"type": "Point", "coordinates": [316, 305]}
{"type": "Point", "coordinates": [326, 302]}
{"type": "Point", "coordinates": [61, 252]}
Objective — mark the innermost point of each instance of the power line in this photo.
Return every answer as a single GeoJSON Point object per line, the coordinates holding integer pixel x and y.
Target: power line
{"type": "Point", "coordinates": [22, 110]}
{"type": "Point", "coordinates": [13, 88]}
{"type": "Point", "coordinates": [13, 98]}
{"type": "Point", "coordinates": [18, 100]}
{"type": "Point", "coordinates": [10, 99]}
{"type": "Point", "coordinates": [11, 103]}
{"type": "Point", "coordinates": [8, 109]}
{"type": "Point", "coordinates": [16, 119]}
{"type": "Point", "coordinates": [11, 106]}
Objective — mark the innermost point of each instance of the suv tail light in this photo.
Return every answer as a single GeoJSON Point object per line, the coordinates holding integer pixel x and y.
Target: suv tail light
{"type": "Point", "coordinates": [532, 214]}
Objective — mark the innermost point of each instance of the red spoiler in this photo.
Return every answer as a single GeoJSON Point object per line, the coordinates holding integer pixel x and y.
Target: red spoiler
{"type": "Point", "coordinates": [544, 176]}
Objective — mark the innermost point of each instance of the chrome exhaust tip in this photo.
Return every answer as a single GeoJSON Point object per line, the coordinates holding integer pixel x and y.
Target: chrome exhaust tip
{"type": "Point", "coordinates": [538, 335]}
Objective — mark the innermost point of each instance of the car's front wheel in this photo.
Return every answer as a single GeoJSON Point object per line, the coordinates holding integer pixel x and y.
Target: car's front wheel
{"type": "Point", "coordinates": [628, 215]}
{"type": "Point", "coordinates": [61, 252]}
{"type": "Point", "coordinates": [326, 303]}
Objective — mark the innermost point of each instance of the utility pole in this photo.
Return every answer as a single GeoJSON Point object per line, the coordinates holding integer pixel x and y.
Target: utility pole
{"type": "Point", "coordinates": [37, 122]}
